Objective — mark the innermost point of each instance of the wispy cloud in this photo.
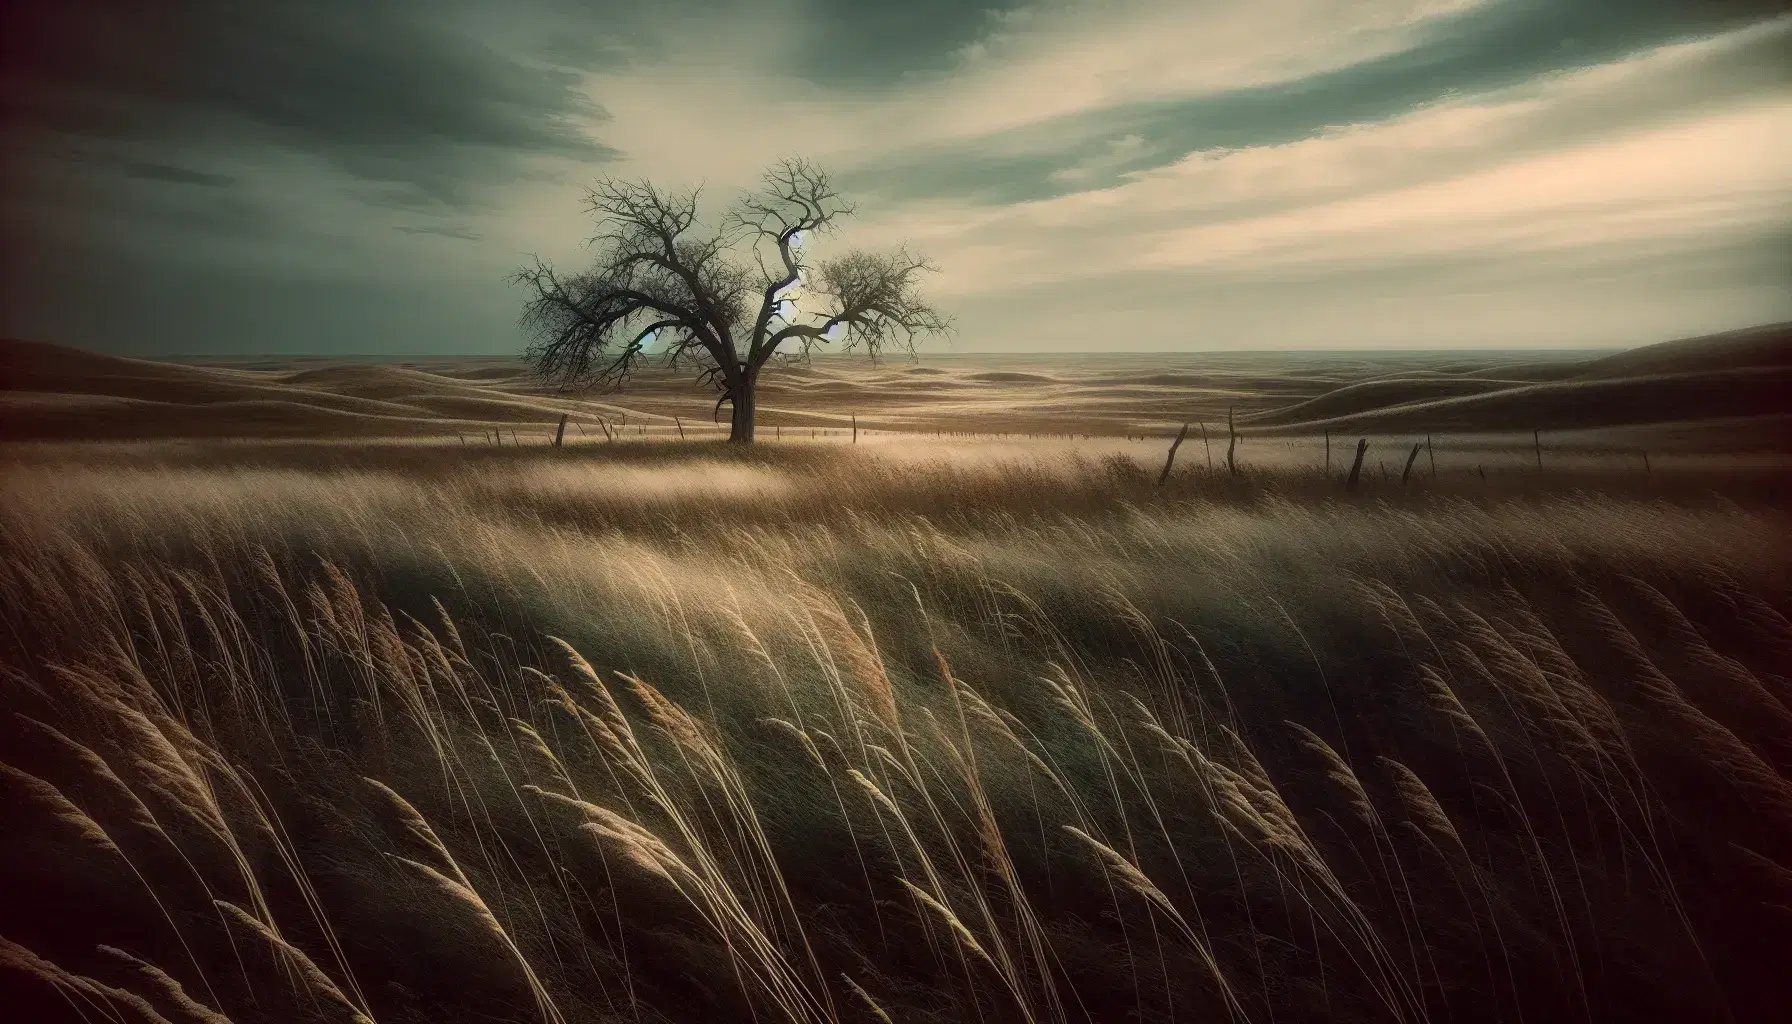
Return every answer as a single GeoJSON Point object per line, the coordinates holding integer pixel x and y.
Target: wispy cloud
{"type": "Point", "coordinates": [1086, 172]}
{"type": "Point", "coordinates": [460, 231]}
{"type": "Point", "coordinates": [1654, 160]}
{"type": "Point", "coordinates": [1539, 162]}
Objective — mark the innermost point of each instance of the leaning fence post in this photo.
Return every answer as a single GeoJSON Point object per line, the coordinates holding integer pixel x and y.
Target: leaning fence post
{"type": "Point", "coordinates": [1537, 442]}
{"type": "Point", "coordinates": [560, 432]}
{"type": "Point", "coordinates": [1170, 460]}
{"type": "Point", "coordinates": [1410, 459]}
{"type": "Point", "coordinates": [1431, 455]}
{"type": "Point", "coordinates": [1231, 448]}
{"type": "Point", "coordinates": [855, 428]}
{"type": "Point", "coordinates": [680, 425]}
{"type": "Point", "coordinates": [1356, 467]}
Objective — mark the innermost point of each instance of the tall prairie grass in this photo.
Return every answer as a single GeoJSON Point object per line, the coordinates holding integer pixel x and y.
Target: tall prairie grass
{"type": "Point", "coordinates": [697, 735]}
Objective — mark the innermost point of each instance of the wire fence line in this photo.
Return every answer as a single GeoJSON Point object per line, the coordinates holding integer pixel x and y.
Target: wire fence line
{"type": "Point", "coordinates": [1415, 456]}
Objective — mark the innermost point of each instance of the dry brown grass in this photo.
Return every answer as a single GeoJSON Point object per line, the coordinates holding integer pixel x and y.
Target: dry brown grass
{"type": "Point", "coordinates": [814, 736]}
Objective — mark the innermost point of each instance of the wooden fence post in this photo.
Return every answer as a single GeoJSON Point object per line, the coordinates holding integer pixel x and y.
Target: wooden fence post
{"type": "Point", "coordinates": [1231, 448]}
{"type": "Point", "coordinates": [1356, 467]}
{"type": "Point", "coordinates": [1170, 460]}
{"type": "Point", "coordinates": [680, 425]}
{"type": "Point", "coordinates": [1410, 459]}
{"type": "Point", "coordinates": [855, 428]}
{"type": "Point", "coordinates": [560, 432]}
{"type": "Point", "coordinates": [1537, 441]}
{"type": "Point", "coordinates": [1328, 455]}
{"type": "Point", "coordinates": [1431, 455]}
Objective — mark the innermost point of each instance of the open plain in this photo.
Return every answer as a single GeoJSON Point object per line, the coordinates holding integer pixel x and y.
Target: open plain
{"type": "Point", "coordinates": [338, 691]}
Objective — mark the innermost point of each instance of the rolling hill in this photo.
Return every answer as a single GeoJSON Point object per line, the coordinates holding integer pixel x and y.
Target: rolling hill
{"type": "Point", "coordinates": [49, 392]}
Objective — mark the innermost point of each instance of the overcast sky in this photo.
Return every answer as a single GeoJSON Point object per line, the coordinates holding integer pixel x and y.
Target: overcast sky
{"type": "Point", "coordinates": [357, 176]}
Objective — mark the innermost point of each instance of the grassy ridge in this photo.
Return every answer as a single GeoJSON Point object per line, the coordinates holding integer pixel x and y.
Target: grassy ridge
{"type": "Point", "coordinates": [680, 735]}
{"type": "Point", "coordinates": [55, 393]}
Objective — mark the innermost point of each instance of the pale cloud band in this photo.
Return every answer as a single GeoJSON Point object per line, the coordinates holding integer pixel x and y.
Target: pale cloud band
{"type": "Point", "coordinates": [1281, 173]}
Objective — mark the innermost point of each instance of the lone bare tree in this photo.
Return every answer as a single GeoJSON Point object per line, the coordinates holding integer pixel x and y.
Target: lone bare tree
{"type": "Point", "coordinates": [720, 300]}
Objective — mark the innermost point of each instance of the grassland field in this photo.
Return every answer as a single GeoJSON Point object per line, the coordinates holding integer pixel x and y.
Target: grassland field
{"type": "Point", "coordinates": [326, 697]}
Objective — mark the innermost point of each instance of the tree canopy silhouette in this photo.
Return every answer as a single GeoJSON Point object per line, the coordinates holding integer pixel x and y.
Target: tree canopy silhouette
{"type": "Point", "coordinates": [723, 299]}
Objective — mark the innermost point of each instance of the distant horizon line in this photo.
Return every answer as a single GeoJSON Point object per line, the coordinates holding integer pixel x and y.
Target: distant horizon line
{"type": "Point", "coordinates": [1389, 350]}
{"type": "Point", "coordinates": [1383, 350]}
{"type": "Point", "coordinates": [904, 358]}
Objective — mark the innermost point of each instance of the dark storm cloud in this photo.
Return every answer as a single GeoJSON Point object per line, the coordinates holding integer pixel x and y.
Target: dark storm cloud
{"type": "Point", "coordinates": [1506, 43]}
{"type": "Point", "coordinates": [872, 42]}
{"type": "Point", "coordinates": [178, 175]}
{"type": "Point", "coordinates": [403, 92]}
{"type": "Point", "coordinates": [460, 231]}
{"type": "Point", "coordinates": [419, 102]}
{"type": "Point", "coordinates": [161, 308]}
{"type": "Point", "coordinates": [86, 190]}
{"type": "Point", "coordinates": [855, 44]}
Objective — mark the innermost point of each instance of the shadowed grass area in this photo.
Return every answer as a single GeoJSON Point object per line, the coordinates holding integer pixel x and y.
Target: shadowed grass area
{"type": "Point", "coordinates": [688, 733]}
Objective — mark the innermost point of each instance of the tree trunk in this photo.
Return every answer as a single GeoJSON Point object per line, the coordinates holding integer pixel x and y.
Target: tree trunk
{"type": "Point", "coordinates": [746, 408]}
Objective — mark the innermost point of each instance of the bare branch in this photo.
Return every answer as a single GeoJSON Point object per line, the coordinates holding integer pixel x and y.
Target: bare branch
{"type": "Point", "coordinates": [592, 328]}
{"type": "Point", "coordinates": [875, 298]}
{"type": "Point", "coordinates": [795, 199]}
{"type": "Point", "coordinates": [654, 273]}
